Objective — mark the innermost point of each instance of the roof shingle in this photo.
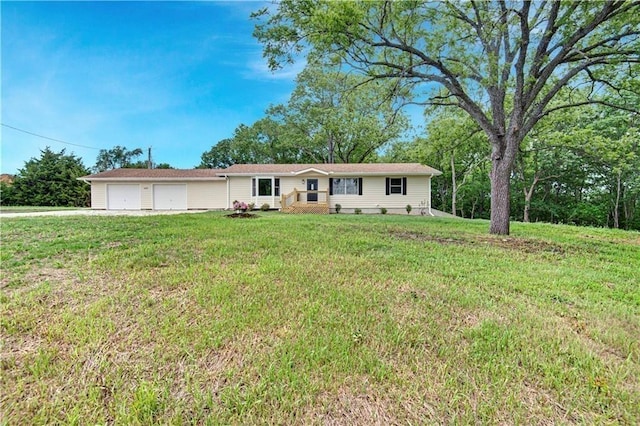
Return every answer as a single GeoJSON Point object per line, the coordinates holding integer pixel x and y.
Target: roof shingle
{"type": "Point", "coordinates": [156, 174]}
{"type": "Point", "coordinates": [266, 169]}
{"type": "Point", "coordinates": [351, 168]}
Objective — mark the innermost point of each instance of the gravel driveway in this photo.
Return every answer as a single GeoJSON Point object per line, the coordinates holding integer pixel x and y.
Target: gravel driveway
{"type": "Point", "coordinates": [89, 212]}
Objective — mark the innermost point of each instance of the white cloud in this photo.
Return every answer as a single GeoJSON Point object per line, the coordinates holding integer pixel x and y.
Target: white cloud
{"type": "Point", "coordinates": [258, 69]}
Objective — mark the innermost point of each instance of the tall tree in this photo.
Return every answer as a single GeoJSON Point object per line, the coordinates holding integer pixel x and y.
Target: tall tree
{"type": "Point", "coordinates": [456, 146]}
{"type": "Point", "coordinates": [502, 62]}
{"type": "Point", "coordinates": [117, 157]}
{"type": "Point", "coordinates": [262, 142]}
{"type": "Point", "coordinates": [51, 180]}
{"type": "Point", "coordinates": [334, 118]}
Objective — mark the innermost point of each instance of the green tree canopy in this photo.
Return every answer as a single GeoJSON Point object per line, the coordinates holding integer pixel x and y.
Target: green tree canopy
{"type": "Point", "coordinates": [332, 117]}
{"type": "Point", "coordinates": [118, 157]}
{"type": "Point", "coordinates": [51, 180]}
{"type": "Point", "coordinates": [259, 143]}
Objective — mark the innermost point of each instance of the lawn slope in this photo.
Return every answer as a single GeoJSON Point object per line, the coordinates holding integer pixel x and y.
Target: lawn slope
{"type": "Point", "coordinates": [347, 319]}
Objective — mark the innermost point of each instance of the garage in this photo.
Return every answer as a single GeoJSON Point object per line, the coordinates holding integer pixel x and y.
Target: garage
{"type": "Point", "coordinates": [170, 197]}
{"type": "Point", "coordinates": [123, 197]}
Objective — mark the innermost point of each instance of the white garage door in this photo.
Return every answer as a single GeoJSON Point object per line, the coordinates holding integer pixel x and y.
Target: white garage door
{"type": "Point", "coordinates": [169, 197]}
{"type": "Point", "coordinates": [123, 197]}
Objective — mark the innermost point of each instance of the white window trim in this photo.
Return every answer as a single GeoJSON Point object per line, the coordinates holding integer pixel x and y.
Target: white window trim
{"type": "Point", "coordinates": [255, 180]}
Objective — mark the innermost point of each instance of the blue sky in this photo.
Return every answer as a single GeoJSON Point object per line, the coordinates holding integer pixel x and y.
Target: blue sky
{"type": "Point", "coordinates": [176, 76]}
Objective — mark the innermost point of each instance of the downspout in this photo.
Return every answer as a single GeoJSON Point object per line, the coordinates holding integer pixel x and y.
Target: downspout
{"type": "Point", "coordinates": [226, 178]}
{"type": "Point", "coordinates": [430, 212]}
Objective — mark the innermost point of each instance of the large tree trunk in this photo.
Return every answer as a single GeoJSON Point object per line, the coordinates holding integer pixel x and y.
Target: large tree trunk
{"type": "Point", "coordinates": [502, 161]}
{"type": "Point", "coordinates": [500, 200]}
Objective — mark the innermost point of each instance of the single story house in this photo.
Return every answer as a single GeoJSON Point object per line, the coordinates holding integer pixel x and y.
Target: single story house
{"type": "Point", "coordinates": [287, 187]}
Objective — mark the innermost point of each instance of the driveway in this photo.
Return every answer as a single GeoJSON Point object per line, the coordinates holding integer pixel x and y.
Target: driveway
{"type": "Point", "coordinates": [88, 212]}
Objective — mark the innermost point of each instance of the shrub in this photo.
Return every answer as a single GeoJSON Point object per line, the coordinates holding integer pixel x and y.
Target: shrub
{"type": "Point", "coordinates": [241, 206]}
{"type": "Point", "coordinates": [338, 208]}
{"type": "Point", "coordinates": [383, 210]}
{"type": "Point", "coordinates": [251, 206]}
{"type": "Point", "coordinates": [357, 211]}
{"type": "Point", "coordinates": [265, 207]}
{"type": "Point", "coordinates": [409, 208]}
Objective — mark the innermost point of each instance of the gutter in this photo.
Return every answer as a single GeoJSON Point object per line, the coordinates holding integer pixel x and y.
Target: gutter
{"type": "Point", "coordinates": [228, 194]}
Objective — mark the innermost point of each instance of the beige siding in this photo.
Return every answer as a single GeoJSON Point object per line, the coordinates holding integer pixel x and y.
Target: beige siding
{"type": "Point", "coordinates": [207, 195]}
{"type": "Point", "coordinates": [200, 195]}
{"type": "Point", "coordinates": [374, 195]}
{"type": "Point", "coordinates": [98, 195]}
{"type": "Point", "coordinates": [239, 189]}
{"type": "Point", "coordinates": [220, 194]}
{"type": "Point", "coordinates": [289, 183]}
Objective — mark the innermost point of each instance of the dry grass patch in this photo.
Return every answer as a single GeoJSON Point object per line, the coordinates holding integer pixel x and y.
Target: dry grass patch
{"type": "Point", "coordinates": [522, 245]}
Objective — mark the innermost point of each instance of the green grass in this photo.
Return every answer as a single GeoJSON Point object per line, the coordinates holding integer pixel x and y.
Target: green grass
{"type": "Point", "coordinates": [33, 209]}
{"type": "Point", "coordinates": [348, 319]}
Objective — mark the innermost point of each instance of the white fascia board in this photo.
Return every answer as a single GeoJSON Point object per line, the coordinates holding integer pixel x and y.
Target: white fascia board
{"type": "Point", "coordinates": [379, 174]}
{"type": "Point", "coordinates": [228, 175]}
{"type": "Point", "coordinates": [152, 179]}
{"type": "Point", "coordinates": [311, 170]}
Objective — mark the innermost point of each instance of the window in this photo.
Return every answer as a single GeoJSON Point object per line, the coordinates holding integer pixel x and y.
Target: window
{"type": "Point", "coordinates": [264, 187]}
{"type": "Point", "coordinates": [397, 186]}
{"type": "Point", "coordinates": [345, 186]}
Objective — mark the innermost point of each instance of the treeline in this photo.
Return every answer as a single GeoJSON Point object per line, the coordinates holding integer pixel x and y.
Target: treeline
{"type": "Point", "coordinates": [578, 166]}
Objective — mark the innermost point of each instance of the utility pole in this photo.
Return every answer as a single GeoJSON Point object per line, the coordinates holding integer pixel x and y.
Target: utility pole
{"type": "Point", "coordinates": [149, 163]}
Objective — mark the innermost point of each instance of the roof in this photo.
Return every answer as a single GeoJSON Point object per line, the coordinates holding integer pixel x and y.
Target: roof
{"type": "Point", "coordinates": [331, 169]}
{"type": "Point", "coordinates": [156, 174]}
{"type": "Point", "coordinates": [354, 169]}
{"type": "Point", "coordinates": [7, 178]}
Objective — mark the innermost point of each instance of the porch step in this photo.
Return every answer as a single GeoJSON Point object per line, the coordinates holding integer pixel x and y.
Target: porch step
{"type": "Point", "coordinates": [298, 208]}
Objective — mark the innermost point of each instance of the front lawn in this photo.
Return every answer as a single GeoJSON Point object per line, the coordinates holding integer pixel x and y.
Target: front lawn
{"type": "Point", "coordinates": [341, 319]}
{"type": "Point", "coordinates": [33, 209]}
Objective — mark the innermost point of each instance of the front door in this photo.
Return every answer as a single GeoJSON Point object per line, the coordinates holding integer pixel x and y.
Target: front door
{"type": "Point", "coordinates": [312, 185]}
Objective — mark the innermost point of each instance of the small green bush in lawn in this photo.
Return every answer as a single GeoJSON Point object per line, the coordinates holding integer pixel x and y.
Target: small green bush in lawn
{"type": "Point", "coordinates": [383, 211]}
{"type": "Point", "coordinates": [357, 211]}
{"type": "Point", "coordinates": [265, 207]}
{"type": "Point", "coordinates": [338, 208]}
{"type": "Point", "coordinates": [409, 208]}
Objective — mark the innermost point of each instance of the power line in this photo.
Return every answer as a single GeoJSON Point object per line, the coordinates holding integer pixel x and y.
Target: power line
{"type": "Point", "coordinates": [46, 137]}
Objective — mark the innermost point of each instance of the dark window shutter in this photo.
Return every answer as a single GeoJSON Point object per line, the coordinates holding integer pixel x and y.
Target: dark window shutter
{"type": "Point", "coordinates": [388, 186]}
{"type": "Point", "coordinates": [330, 186]}
{"type": "Point", "coordinates": [253, 187]}
{"type": "Point", "coordinates": [404, 186]}
{"type": "Point", "coordinates": [359, 186]}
